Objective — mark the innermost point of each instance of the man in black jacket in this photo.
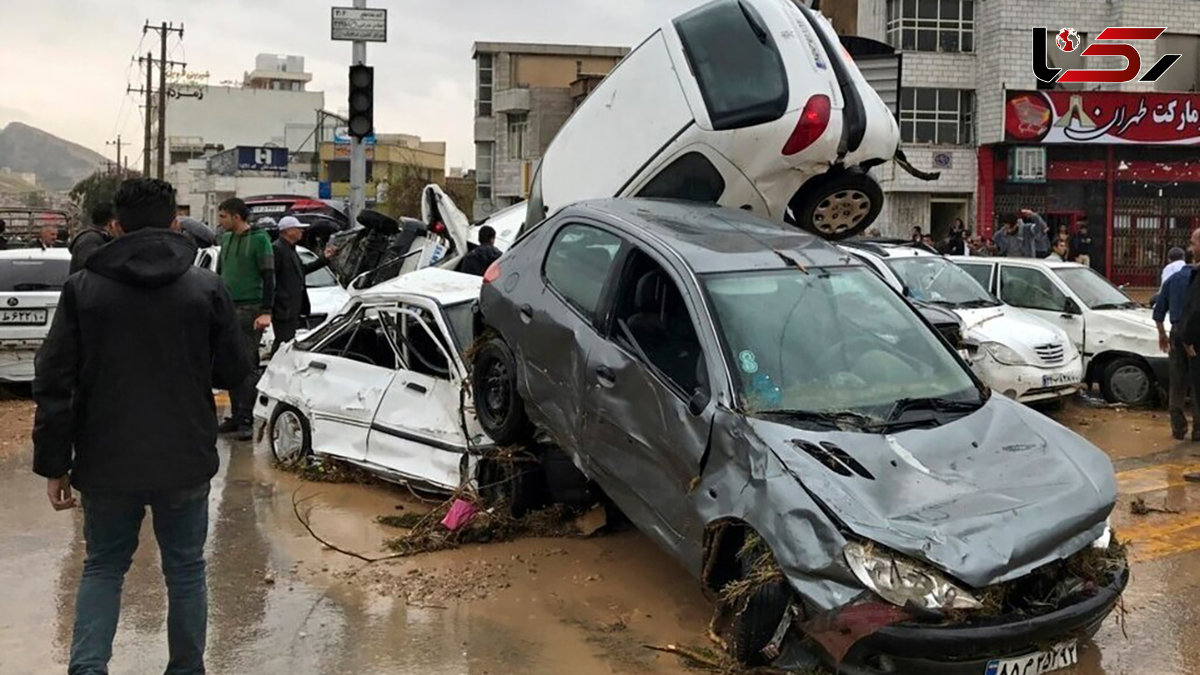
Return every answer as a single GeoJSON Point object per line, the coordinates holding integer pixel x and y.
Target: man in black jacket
{"type": "Point", "coordinates": [125, 415]}
{"type": "Point", "coordinates": [291, 291]}
{"type": "Point", "coordinates": [482, 256]}
{"type": "Point", "coordinates": [92, 238]}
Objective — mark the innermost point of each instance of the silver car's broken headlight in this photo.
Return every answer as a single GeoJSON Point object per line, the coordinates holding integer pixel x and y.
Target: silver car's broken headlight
{"type": "Point", "coordinates": [1105, 538]}
{"type": "Point", "coordinates": [901, 581]}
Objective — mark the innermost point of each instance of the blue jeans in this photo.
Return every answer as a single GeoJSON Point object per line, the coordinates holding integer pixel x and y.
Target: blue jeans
{"type": "Point", "coordinates": [111, 522]}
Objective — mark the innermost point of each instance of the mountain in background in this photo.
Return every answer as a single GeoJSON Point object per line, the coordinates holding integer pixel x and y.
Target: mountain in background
{"type": "Point", "coordinates": [59, 164]}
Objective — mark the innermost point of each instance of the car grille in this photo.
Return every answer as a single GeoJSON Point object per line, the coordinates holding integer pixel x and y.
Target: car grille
{"type": "Point", "coordinates": [1051, 354]}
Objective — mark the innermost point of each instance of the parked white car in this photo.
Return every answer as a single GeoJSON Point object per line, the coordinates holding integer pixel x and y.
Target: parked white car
{"type": "Point", "coordinates": [1013, 352]}
{"type": "Point", "coordinates": [750, 104]}
{"type": "Point", "coordinates": [1117, 335]}
{"type": "Point", "coordinates": [325, 296]}
{"type": "Point", "coordinates": [380, 385]}
{"type": "Point", "coordinates": [30, 282]}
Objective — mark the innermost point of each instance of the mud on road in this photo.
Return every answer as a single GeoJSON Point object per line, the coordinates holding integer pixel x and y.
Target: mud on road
{"type": "Point", "coordinates": [282, 602]}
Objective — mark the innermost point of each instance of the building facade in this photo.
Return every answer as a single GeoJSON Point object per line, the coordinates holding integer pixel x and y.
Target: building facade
{"type": "Point", "coordinates": [524, 93]}
{"type": "Point", "coordinates": [390, 158]}
{"type": "Point", "coordinates": [1124, 158]}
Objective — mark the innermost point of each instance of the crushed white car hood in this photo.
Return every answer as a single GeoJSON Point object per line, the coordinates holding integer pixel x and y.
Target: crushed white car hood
{"type": "Point", "coordinates": [1003, 325]}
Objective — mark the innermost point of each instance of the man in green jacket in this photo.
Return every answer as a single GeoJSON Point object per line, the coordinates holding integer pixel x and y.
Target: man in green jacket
{"type": "Point", "coordinates": [247, 264]}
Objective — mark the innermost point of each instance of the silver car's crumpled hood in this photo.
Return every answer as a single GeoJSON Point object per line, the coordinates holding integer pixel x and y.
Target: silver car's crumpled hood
{"type": "Point", "coordinates": [986, 499]}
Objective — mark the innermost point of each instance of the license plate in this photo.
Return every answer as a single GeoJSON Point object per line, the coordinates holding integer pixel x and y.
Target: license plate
{"type": "Point", "coordinates": [1059, 379]}
{"type": "Point", "coordinates": [1057, 657]}
{"type": "Point", "coordinates": [23, 317]}
{"type": "Point", "coordinates": [260, 210]}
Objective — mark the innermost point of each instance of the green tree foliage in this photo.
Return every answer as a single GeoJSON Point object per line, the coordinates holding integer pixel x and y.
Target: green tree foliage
{"type": "Point", "coordinates": [98, 188]}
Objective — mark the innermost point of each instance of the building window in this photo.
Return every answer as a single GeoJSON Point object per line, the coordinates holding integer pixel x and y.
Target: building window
{"type": "Point", "coordinates": [485, 85]}
{"type": "Point", "coordinates": [932, 25]}
{"type": "Point", "coordinates": [483, 170]}
{"type": "Point", "coordinates": [941, 116]}
{"type": "Point", "coordinates": [518, 134]}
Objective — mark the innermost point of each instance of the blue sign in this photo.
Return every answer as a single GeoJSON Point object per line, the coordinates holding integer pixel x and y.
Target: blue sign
{"type": "Point", "coordinates": [324, 190]}
{"type": "Point", "coordinates": [341, 136]}
{"type": "Point", "coordinates": [262, 159]}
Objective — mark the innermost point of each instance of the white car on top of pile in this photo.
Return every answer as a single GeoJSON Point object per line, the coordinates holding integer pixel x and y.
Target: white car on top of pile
{"type": "Point", "coordinates": [1014, 352]}
{"type": "Point", "coordinates": [325, 296]}
{"type": "Point", "coordinates": [31, 280]}
{"type": "Point", "coordinates": [380, 384]}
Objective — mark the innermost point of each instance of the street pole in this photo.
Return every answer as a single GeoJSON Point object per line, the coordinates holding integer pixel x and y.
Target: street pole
{"type": "Point", "coordinates": [149, 113]}
{"type": "Point", "coordinates": [162, 104]}
{"type": "Point", "coordinates": [358, 149]}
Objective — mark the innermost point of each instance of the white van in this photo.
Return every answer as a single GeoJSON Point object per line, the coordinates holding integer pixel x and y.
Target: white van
{"type": "Point", "coordinates": [30, 282]}
{"type": "Point", "coordinates": [751, 104]}
{"type": "Point", "coordinates": [1013, 352]}
{"type": "Point", "coordinates": [1117, 335]}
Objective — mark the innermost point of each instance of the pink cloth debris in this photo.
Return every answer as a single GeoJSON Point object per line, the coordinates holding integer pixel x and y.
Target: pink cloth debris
{"type": "Point", "coordinates": [460, 514]}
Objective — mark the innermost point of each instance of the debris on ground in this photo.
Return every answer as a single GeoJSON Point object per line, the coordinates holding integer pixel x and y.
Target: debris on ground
{"type": "Point", "coordinates": [711, 660]}
{"type": "Point", "coordinates": [1050, 586]}
{"type": "Point", "coordinates": [757, 558]}
{"type": "Point", "coordinates": [592, 521]}
{"type": "Point", "coordinates": [16, 423]}
{"type": "Point", "coordinates": [1193, 477]}
{"type": "Point", "coordinates": [434, 588]}
{"type": "Point", "coordinates": [460, 513]}
{"type": "Point", "coordinates": [323, 470]}
{"type": "Point", "coordinates": [495, 524]}
{"type": "Point", "coordinates": [1138, 507]}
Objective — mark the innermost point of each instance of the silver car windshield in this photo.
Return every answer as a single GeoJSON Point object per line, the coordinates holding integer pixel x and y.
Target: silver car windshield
{"type": "Point", "coordinates": [938, 281]}
{"type": "Point", "coordinates": [829, 341]}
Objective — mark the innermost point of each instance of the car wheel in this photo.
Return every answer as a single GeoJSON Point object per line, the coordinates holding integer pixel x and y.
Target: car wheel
{"type": "Point", "coordinates": [837, 205]}
{"type": "Point", "coordinates": [755, 622]}
{"type": "Point", "coordinates": [291, 437]}
{"type": "Point", "coordinates": [1127, 381]}
{"type": "Point", "coordinates": [498, 405]}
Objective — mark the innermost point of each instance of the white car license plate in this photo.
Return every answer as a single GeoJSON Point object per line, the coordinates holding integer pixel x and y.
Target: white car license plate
{"type": "Point", "coordinates": [23, 317]}
{"type": "Point", "coordinates": [1059, 379]}
{"type": "Point", "coordinates": [1060, 656]}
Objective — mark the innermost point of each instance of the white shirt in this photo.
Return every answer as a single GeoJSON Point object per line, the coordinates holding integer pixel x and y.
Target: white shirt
{"type": "Point", "coordinates": [1170, 270]}
{"type": "Point", "coordinates": [1055, 257]}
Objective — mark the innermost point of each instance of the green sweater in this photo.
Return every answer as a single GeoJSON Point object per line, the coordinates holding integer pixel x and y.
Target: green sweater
{"type": "Point", "coordinates": [247, 264]}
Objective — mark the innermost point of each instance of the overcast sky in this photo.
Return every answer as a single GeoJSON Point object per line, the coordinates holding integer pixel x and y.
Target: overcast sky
{"type": "Point", "coordinates": [66, 63]}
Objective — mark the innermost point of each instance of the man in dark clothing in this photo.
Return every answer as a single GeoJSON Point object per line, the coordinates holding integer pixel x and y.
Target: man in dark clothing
{"type": "Point", "coordinates": [1081, 245]}
{"type": "Point", "coordinates": [482, 256]}
{"type": "Point", "coordinates": [291, 291]}
{"type": "Point", "coordinates": [3, 236]}
{"type": "Point", "coordinates": [48, 236]}
{"type": "Point", "coordinates": [1170, 301]}
{"type": "Point", "coordinates": [1189, 321]}
{"type": "Point", "coordinates": [247, 264]}
{"type": "Point", "coordinates": [125, 415]}
{"type": "Point", "coordinates": [92, 238]}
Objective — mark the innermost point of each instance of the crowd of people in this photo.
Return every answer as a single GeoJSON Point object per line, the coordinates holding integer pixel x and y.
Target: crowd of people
{"type": "Point", "coordinates": [1027, 235]}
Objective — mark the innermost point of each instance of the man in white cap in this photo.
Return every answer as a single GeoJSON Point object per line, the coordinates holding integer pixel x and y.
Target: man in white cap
{"type": "Point", "coordinates": [291, 293]}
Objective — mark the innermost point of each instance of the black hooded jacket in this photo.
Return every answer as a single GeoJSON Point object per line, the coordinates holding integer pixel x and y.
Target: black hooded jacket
{"type": "Point", "coordinates": [124, 381]}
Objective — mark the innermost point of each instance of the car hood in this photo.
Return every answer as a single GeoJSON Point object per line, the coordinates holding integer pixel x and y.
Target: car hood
{"type": "Point", "coordinates": [1008, 327]}
{"type": "Point", "coordinates": [327, 299]}
{"type": "Point", "coordinates": [1138, 319]}
{"type": "Point", "coordinates": [986, 499]}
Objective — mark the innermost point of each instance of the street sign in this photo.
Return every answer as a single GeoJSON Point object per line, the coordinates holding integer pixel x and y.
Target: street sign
{"type": "Point", "coordinates": [359, 25]}
{"type": "Point", "coordinates": [262, 159]}
{"type": "Point", "coordinates": [341, 136]}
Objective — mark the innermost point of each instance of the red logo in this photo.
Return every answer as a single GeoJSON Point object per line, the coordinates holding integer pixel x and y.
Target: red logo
{"type": "Point", "coordinates": [1110, 42]}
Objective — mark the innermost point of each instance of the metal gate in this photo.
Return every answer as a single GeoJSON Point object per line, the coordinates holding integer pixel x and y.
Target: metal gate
{"type": "Point", "coordinates": [1143, 230]}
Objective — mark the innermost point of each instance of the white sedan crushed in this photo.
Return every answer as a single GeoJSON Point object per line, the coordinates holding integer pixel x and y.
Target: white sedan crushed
{"type": "Point", "coordinates": [380, 384]}
{"type": "Point", "coordinates": [30, 282]}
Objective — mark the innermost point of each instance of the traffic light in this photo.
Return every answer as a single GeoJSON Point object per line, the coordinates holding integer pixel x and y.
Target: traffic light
{"type": "Point", "coordinates": [362, 101]}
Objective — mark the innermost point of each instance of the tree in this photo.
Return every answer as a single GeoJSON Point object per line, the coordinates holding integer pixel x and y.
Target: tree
{"type": "Point", "coordinates": [34, 200]}
{"type": "Point", "coordinates": [405, 186]}
{"type": "Point", "coordinates": [463, 193]}
{"type": "Point", "coordinates": [98, 188]}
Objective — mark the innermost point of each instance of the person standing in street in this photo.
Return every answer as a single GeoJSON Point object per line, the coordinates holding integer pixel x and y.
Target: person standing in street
{"type": "Point", "coordinates": [1038, 233]}
{"type": "Point", "coordinates": [1081, 244]}
{"type": "Point", "coordinates": [291, 291]}
{"type": "Point", "coordinates": [1015, 240]}
{"type": "Point", "coordinates": [1171, 299]}
{"type": "Point", "coordinates": [125, 415]}
{"type": "Point", "coordinates": [1175, 263]}
{"type": "Point", "coordinates": [247, 264]}
{"type": "Point", "coordinates": [90, 239]}
{"type": "Point", "coordinates": [48, 236]}
{"type": "Point", "coordinates": [1188, 326]}
{"type": "Point", "coordinates": [3, 235]}
{"type": "Point", "coordinates": [1059, 252]}
{"type": "Point", "coordinates": [482, 256]}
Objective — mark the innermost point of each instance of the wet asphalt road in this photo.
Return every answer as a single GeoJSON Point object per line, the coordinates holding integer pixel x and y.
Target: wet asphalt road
{"type": "Point", "coordinates": [281, 604]}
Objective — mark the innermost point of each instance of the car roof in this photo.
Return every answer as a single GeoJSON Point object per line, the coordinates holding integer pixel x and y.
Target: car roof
{"type": "Point", "coordinates": [35, 253]}
{"type": "Point", "coordinates": [715, 239]}
{"type": "Point", "coordinates": [443, 286]}
{"type": "Point", "coordinates": [889, 250]}
{"type": "Point", "coordinates": [1024, 262]}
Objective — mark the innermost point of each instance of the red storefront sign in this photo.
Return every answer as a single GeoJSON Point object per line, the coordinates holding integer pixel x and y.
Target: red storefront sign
{"type": "Point", "coordinates": [1132, 118]}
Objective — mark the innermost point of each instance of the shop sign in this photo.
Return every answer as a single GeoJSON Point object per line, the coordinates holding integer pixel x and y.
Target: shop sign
{"type": "Point", "coordinates": [1123, 118]}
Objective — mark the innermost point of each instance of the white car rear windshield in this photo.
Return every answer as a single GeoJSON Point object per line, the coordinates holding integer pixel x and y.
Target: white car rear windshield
{"type": "Point", "coordinates": [17, 276]}
{"type": "Point", "coordinates": [737, 66]}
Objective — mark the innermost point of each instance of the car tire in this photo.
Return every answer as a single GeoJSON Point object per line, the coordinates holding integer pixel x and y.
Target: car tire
{"type": "Point", "coordinates": [755, 624]}
{"type": "Point", "coordinates": [837, 205]}
{"type": "Point", "coordinates": [1129, 381]}
{"type": "Point", "coordinates": [498, 404]}
{"type": "Point", "coordinates": [291, 436]}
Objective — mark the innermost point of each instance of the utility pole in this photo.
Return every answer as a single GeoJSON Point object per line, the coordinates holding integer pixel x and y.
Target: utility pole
{"type": "Point", "coordinates": [163, 31]}
{"type": "Point", "coordinates": [358, 148]}
{"type": "Point", "coordinates": [147, 61]}
{"type": "Point", "coordinates": [118, 143]}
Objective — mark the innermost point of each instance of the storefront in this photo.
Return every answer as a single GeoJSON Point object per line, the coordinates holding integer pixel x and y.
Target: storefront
{"type": "Point", "coordinates": [1126, 163]}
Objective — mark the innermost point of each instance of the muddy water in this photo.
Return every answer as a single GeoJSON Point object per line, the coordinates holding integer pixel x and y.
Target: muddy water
{"type": "Point", "coordinates": [281, 603]}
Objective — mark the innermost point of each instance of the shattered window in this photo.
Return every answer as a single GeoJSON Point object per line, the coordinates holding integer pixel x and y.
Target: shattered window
{"type": "Point", "coordinates": [578, 264]}
{"type": "Point", "coordinates": [364, 341]}
{"type": "Point", "coordinates": [938, 281]}
{"type": "Point", "coordinates": [736, 64]}
{"type": "Point", "coordinates": [421, 344]}
{"type": "Point", "coordinates": [832, 341]}
{"type": "Point", "coordinates": [1030, 289]}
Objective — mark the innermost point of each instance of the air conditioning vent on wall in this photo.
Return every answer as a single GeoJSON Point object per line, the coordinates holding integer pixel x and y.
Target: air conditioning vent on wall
{"type": "Point", "coordinates": [1027, 165]}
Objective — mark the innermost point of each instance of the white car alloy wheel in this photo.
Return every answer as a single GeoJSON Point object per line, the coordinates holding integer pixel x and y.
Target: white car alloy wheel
{"type": "Point", "coordinates": [287, 437]}
{"type": "Point", "coordinates": [841, 211]}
